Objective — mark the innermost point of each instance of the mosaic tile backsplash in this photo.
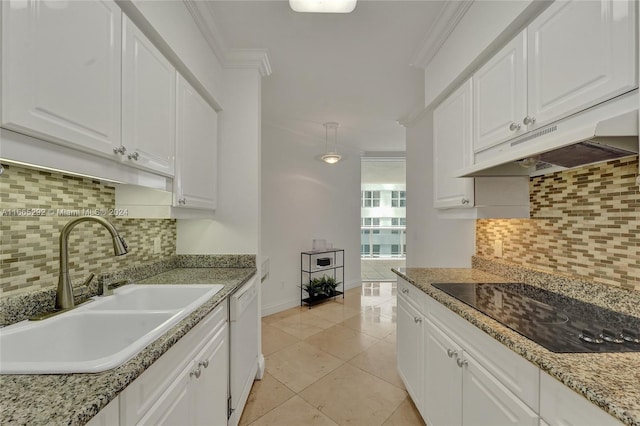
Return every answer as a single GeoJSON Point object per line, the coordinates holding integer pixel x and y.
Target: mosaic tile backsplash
{"type": "Point", "coordinates": [584, 222]}
{"type": "Point", "coordinates": [36, 204]}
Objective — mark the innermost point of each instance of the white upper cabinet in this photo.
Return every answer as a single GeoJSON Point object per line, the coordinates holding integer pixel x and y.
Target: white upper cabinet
{"type": "Point", "coordinates": [61, 72]}
{"type": "Point", "coordinates": [195, 185]}
{"type": "Point", "coordinates": [148, 103]}
{"type": "Point", "coordinates": [452, 126]}
{"type": "Point", "coordinates": [499, 95]}
{"type": "Point", "coordinates": [580, 53]}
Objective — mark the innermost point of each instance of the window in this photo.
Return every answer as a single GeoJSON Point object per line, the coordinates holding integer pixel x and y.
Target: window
{"type": "Point", "coordinates": [398, 221]}
{"type": "Point", "coordinates": [395, 248]}
{"type": "Point", "coordinates": [398, 199]}
{"type": "Point", "coordinates": [370, 198]}
{"type": "Point", "coordinates": [376, 249]}
{"type": "Point", "coordinates": [364, 249]}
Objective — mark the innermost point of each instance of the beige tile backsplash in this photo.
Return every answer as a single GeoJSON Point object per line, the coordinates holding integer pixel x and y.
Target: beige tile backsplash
{"type": "Point", "coordinates": [29, 244]}
{"type": "Point", "coordinates": [584, 222]}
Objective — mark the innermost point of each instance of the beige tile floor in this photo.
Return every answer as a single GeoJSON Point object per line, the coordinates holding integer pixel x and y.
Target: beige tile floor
{"type": "Point", "coordinates": [332, 365]}
{"type": "Point", "coordinates": [379, 269]}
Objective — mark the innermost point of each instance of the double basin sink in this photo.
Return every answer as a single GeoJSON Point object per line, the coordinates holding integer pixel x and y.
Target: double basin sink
{"type": "Point", "coordinates": [102, 334]}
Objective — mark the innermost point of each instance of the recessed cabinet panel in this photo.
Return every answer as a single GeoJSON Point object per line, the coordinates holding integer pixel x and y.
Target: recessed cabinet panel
{"type": "Point", "coordinates": [487, 399]}
{"type": "Point", "coordinates": [499, 95]}
{"type": "Point", "coordinates": [580, 53]}
{"type": "Point", "coordinates": [452, 149]}
{"type": "Point", "coordinates": [410, 349]}
{"type": "Point", "coordinates": [443, 379]}
{"type": "Point", "coordinates": [148, 103]}
{"type": "Point", "coordinates": [196, 150]}
{"type": "Point", "coordinates": [61, 71]}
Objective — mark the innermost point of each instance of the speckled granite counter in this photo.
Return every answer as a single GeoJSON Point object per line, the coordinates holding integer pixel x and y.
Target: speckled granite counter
{"type": "Point", "coordinates": [75, 398]}
{"type": "Point", "coordinates": [609, 380]}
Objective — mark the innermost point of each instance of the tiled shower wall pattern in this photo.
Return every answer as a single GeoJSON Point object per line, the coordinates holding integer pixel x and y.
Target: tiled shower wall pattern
{"type": "Point", "coordinates": [584, 222]}
{"type": "Point", "coordinates": [30, 245]}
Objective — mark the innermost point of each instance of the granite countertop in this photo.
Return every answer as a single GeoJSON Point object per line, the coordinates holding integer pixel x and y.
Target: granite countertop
{"type": "Point", "coordinates": [609, 380]}
{"type": "Point", "coordinates": [74, 399]}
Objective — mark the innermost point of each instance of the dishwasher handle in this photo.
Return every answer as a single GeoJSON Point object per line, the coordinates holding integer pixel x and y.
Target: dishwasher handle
{"type": "Point", "coordinates": [242, 298]}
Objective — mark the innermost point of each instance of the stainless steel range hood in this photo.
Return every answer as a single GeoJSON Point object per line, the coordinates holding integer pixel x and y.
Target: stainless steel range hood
{"type": "Point", "coordinates": [604, 132]}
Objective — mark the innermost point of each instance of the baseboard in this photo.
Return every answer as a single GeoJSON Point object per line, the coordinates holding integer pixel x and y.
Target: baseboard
{"type": "Point", "coordinates": [283, 306]}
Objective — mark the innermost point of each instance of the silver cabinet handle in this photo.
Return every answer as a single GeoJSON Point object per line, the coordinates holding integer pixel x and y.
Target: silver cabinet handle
{"type": "Point", "coordinates": [465, 201]}
{"type": "Point", "coordinates": [405, 290]}
{"type": "Point", "coordinates": [417, 319]}
{"type": "Point", "coordinates": [514, 126]}
{"type": "Point", "coordinates": [133, 156]}
{"type": "Point", "coordinates": [204, 363]}
{"type": "Point", "coordinates": [196, 373]}
{"type": "Point", "coordinates": [452, 353]}
{"type": "Point", "coordinates": [462, 362]}
{"type": "Point", "coordinates": [120, 150]}
{"type": "Point", "coordinates": [528, 120]}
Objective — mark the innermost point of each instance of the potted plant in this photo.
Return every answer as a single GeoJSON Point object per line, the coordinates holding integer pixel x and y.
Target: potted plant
{"type": "Point", "coordinates": [314, 288]}
{"type": "Point", "coordinates": [329, 285]}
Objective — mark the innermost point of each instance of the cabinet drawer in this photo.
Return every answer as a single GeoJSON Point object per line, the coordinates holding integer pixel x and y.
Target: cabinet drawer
{"type": "Point", "coordinates": [412, 294]}
{"type": "Point", "coordinates": [141, 395]}
{"type": "Point", "coordinates": [516, 373]}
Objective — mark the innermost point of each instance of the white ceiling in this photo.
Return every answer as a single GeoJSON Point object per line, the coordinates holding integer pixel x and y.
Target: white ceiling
{"type": "Point", "coordinates": [351, 68]}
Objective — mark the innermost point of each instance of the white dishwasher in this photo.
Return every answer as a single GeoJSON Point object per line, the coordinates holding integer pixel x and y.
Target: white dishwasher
{"type": "Point", "coordinates": [243, 347]}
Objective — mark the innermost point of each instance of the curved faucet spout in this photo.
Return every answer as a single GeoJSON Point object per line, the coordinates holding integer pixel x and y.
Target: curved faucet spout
{"type": "Point", "coordinates": [64, 295]}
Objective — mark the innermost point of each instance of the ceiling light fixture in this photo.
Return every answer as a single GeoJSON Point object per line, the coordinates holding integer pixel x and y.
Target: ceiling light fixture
{"type": "Point", "coordinates": [331, 157]}
{"type": "Point", "coordinates": [323, 6]}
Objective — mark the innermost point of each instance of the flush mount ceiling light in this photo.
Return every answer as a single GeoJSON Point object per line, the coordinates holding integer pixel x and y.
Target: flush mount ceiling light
{"type": "Point", "coordinates": [323, 6]}
{"type": "Point", "coordinates": [331, 157]}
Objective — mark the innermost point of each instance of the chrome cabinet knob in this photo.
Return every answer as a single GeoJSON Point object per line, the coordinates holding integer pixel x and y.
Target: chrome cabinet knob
{"type": "Point", "coordinates": [405, 290]}
{"type": "Point", "coordinates": [417, 319]}
{"type": "Point", "coordinates": [120, 150]}
{"type": "Point", "coordinates": [204, 363]}
{"type": "Point", "coordinates": [452, 353]}
{"type": "Point", "coordinates": [465, 201]}
{"type": "Point", "coordinates": [182, 201]}
{"type": "Point", "coordinates": [514, 127]}
{"type": "Point", "coordinates": [133, 156]}
{"type": "Point", "coordinates": [528, 120]}
{"type": "Point", "coordinates": [196, 373]}
{"type": "Point", "coordinates": [462, 362]}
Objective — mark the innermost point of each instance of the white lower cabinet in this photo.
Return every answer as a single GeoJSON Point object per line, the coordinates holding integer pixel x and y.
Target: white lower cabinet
{"type": "Point", "coordinates": [462, 378]}
{"type": "Point", "coordinates": [410, 349]}
{"type": "Point", "coordinates": [560, 406]}
{"type": "Point", "coordinates": [188, 384]}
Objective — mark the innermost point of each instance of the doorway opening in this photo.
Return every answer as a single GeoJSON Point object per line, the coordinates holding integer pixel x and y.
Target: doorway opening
{"type": "Point", "coordinates": [383, 201]}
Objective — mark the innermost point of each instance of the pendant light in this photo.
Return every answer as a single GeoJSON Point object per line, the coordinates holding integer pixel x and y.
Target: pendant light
{"type": "Point", "coordinates": [331, 157]}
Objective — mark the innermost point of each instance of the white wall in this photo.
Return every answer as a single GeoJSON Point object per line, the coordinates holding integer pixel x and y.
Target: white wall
{"type": "Point", "coordinates": [235, 227]}
{"type": "Point", "coordinates": [485, 27]}
{"type": "Point", "coordinates": [431, 241]}
{"type": "Point", "coordinates": [302, 199]}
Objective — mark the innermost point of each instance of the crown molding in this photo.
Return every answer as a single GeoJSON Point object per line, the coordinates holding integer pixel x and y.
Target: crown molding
{"type": "Point", "coordinates": [416, 115]}
{"type": "Point", "coordinates": [229, 58]}
{"type": "Point", "coordinates": [448, 18]}
{"type": "Point", "coordinates": [249, 58]}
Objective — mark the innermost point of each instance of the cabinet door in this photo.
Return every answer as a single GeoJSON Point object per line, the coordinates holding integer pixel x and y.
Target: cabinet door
{"type": "Point", "coordinates": [410, 349]}
{"type": "Point", "coordinates": [580, 53]}
{"type": "Point", "coordinates": [442, 378]}
{"type": "Point", "coordinates": [210, 389]}
{"type": "Point", "coordinates": [176, 405]}
{"type": "Point", "coordinates": [499, 95]}
{"type": "Point", "coordinates": [561, 406]}
{"type": "Point", "coordinates": [452, 149]}
{"type": "Point", "coordinates": [61, 72]}
{"type": "Point", "coordinates": [485, 401]}
{"type": "Point", "coordinates": [148, 103]}
{"type": "Point", "coordinates": [196, 150]}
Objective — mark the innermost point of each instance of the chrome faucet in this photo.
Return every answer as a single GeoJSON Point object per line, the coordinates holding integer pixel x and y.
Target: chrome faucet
{"type": "Point", "coordinates": [64, 295]}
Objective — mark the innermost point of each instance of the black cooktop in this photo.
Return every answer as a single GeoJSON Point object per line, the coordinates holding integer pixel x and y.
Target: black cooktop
{"type": "Point", "coordinates": [557, 322]}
